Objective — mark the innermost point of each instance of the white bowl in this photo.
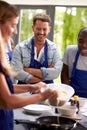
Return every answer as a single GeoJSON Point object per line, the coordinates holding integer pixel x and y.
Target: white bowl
{"type": "Point", "coordinates": [67, 110]}
{"type": "Point", "coordinates": [65, 92]}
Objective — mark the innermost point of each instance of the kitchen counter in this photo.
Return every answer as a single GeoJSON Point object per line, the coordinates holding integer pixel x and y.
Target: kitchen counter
{"type": "Point", "coordinates": [21, 115]}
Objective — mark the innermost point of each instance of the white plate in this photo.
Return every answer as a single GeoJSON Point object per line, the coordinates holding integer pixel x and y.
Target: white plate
{"type": "Point", "coordinates": [37, 108]}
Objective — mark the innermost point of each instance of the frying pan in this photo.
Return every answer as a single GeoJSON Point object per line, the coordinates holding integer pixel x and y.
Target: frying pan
{"type": "Point", "coordinates": [51, 123]}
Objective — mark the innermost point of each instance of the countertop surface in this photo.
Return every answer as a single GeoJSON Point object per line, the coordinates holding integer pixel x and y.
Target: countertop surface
{"type": "Point", "coordinates": [22, 115]}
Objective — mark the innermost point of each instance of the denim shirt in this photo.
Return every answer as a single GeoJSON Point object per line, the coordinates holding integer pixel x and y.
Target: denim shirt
{"type": "Point", "coordinates": [22, 55]}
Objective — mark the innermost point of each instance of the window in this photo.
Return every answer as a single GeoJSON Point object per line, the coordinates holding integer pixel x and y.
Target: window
{"type": "Point", "coordinates": [26, 22]}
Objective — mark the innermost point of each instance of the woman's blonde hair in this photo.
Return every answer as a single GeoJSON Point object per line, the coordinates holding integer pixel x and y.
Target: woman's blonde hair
{"type": "Point", "coordinates": [4, 60]}
{"type": "Point", "coordinates": [7, 11]}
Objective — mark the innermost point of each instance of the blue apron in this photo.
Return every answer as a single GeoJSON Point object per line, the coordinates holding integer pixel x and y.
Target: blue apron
{"type": "Point", "coordinates": [36, 64]}
{"type": "Point", "coordinates": [79, 79]}
{"type": "Point", "coordinates": [6, 116]}
{"type": "Point", "coordinates": [9, 53]}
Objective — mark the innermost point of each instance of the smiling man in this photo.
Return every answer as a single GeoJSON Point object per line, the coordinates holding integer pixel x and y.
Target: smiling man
{"type": "Point", "coordinates": [37, 58]}
{"type": "Point", "coordinates": [74, 71]}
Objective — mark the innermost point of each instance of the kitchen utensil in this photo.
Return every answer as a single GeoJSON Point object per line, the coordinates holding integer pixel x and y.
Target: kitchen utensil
{"type": "Point", "coordinates": [37, 108]}
{"type": "Point", "coordinates": [52, 123]}
{"type": "Point", "coordinates": [65, 92]}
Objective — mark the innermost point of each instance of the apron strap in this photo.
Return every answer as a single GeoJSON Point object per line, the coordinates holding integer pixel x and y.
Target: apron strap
{"type": "Point", "coordinates": [45, 64]}
{"type": "Point", "coordinates": [9, 53]}
{"type": "Point", "coordinates": [32, 53]}
{"type": "Point", "coordinates": [75, 63]}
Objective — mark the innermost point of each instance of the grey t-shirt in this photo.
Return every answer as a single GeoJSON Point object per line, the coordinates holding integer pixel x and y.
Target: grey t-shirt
{"type": "Point", "coordinates": [69, 57]}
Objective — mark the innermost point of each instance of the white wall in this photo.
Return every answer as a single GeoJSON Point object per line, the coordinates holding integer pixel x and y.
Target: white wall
{"type": "Point", "coordinates": [49, 2]}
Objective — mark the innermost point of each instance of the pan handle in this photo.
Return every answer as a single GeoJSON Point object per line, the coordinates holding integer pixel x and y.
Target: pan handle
{"type": "Point", "coordinates": [19, 121]}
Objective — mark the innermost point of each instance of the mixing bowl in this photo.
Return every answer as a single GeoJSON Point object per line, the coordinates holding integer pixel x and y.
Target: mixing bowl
{"type": "Point", "coordinates": [65, 92]}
